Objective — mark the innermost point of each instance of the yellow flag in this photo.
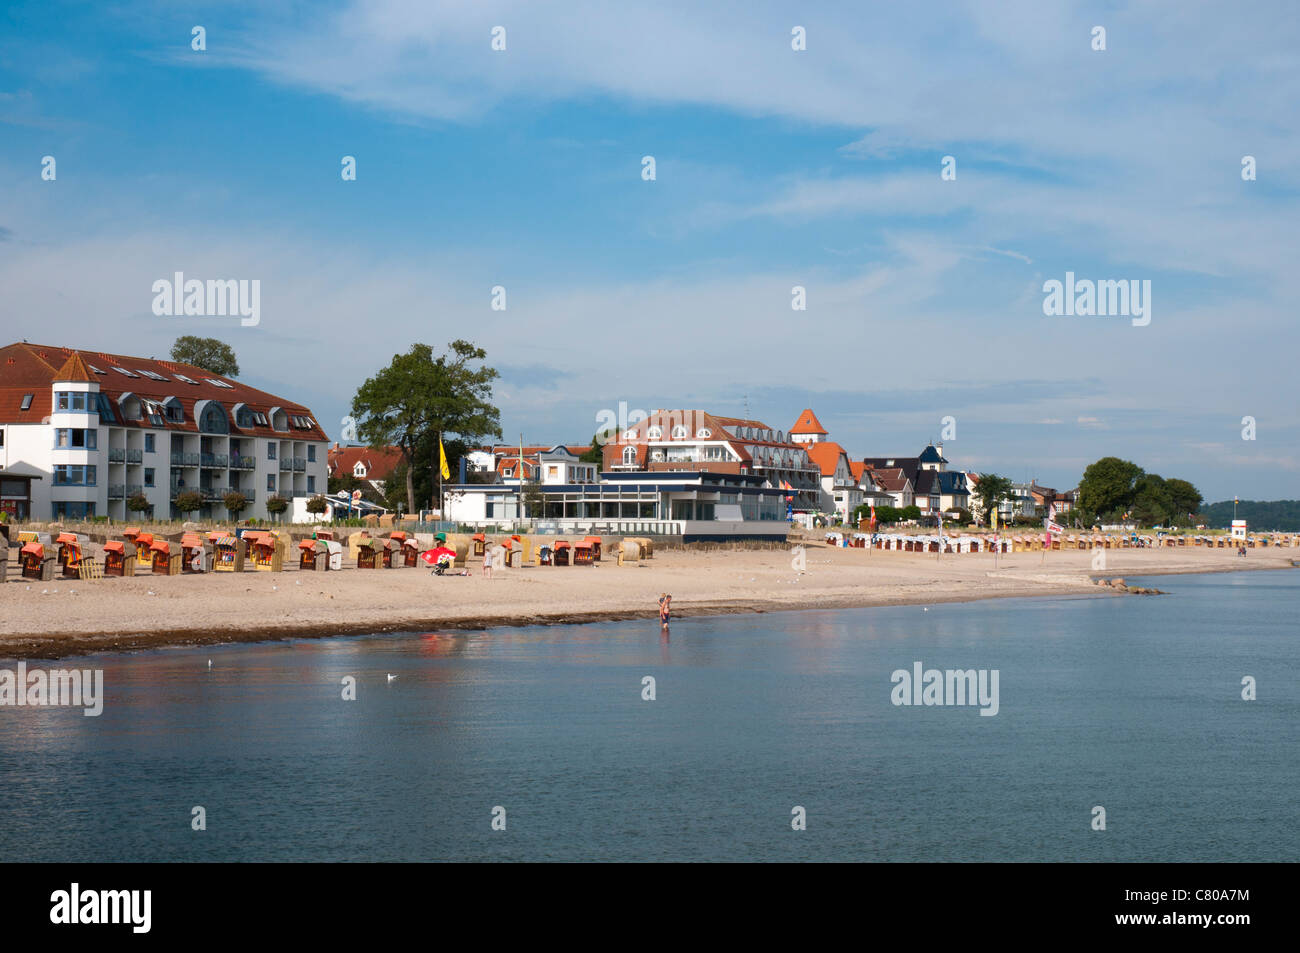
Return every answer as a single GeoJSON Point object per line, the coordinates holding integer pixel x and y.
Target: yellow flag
{"type": "Point", "coordinates": [442, 454]}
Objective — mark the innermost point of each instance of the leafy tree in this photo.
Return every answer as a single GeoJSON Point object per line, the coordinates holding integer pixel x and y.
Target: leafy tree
{"type": "Point", "coordinates": [188, 502]}
{"type": "Point", "coordinates": [533, 498]}
{"type": "Point", "coordinates": [990, 490]}
{"type": "Point", "coordinates": [207, 353]}
{"type": "Point", "coordinates": [595, 453]}
{"type": "Point", "coordinates": [235, 502]}
{"type": "Point", "coordinates": [317, 505]}
{"type": "Point", "coordinates": [909, 513]}
{"type": "Point", "coordinates": [140, 504]}
{"type": "Point", "coordinates": [1108, 486]}
{"type": "Point", "coordinates": [419, 398]}
{"type": "Point", "coordinates": [276, 505]}
{"type": "Point", "coordinates": [1151, 503]}
{"type": "Point", "coordinates": [1184, 497]}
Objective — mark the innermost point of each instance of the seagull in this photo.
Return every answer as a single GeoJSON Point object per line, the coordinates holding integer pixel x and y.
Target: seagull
{"type": "Point", "coordinates": [391, 677]}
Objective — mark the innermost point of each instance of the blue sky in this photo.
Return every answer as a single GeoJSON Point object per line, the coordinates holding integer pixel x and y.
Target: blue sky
{"type": "Point", "coordinates": [775, 168]}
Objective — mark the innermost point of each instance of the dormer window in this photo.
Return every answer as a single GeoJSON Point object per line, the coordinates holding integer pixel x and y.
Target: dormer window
{"type": "Point", "coordinates": [359, 471]}
{"type": "Point", "coordinates": [679, 432]}
{"type": "Point", "coordinates": [629, 455]}
{"type": "Point", "coordinates": [654, 433]}
{"type": "Point", "coordinates": [629, 435]}
{"type": "Point", "coordinates": [704, 433]}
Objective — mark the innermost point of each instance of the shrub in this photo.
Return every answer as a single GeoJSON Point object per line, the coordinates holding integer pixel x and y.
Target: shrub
{"type": "Point", "coordinates": [235, 501]}
{"type": "Point", "coordinates": [188, 502]}
{"type": "Point", "coordinates": [140, 504]}
{"type": "Point", "coordinates": [317, 504]}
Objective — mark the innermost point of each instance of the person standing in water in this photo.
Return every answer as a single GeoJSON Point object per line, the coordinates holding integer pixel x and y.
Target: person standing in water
{"type": "Point", "coordinates": [665, 608]}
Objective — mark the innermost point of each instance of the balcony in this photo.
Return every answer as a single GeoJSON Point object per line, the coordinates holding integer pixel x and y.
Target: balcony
{"type": "Point", "coordinates": [134, 489]}
{"type": "Point", "coordinates": [242, 463]}
{"type": "Point", "coordinates": [134, 456]}
{"type": "Point", "coordinates": [185, 459]}
{"type": "Point", "coordinates": [116, 455]}
{"type": "Point", "coordinates": [299, 463]}
{"type": "Point", "coordinates": [117, 491]}
{"type": "Point", "coordinates": [286, 463]}
{"type": "Point", "coordinates": [214, 460]}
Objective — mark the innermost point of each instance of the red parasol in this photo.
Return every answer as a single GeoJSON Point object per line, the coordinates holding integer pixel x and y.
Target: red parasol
{"type": "Point", "coordinates": [431, 556]}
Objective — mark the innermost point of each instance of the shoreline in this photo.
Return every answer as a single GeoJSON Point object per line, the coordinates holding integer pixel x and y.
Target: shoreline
{"type": "Point", "coordinates": [146, 612]}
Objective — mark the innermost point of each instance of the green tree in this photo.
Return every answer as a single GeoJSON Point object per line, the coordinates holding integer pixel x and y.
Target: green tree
{"type": "Point", "coordinates": [317, 505]}
{"type": "Point", "coordinates": [235, 503]}
{"type": "Point", "coordinates": [533, 498]}
{"type": "Point", "coordinates": [140, 504]}
{"type": "Point", "coordinates": [1151, 503]}
{"type": "Point", "coordinates": [208, 353]}
{"type": "Point", "coordinates": [909, 513]}
{"type": "Point", "coordinates": [1108, 486]}
{"type": "Point", "coordinates": [1185, 498]}
{"type": "Point", "coordinates": [419, 398]}
{"type": "Point", "coordinates": [188, 502]}
{"type": "Point", "coordinates": [275, 505]}
{"type": "Point", "coordinates": [595, 453]}
{"type": "Point", "coordinates": [990, 490]}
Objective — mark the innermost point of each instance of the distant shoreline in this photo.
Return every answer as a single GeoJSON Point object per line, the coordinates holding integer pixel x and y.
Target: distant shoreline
{"type": "Point", "coordinates": [147, 612]}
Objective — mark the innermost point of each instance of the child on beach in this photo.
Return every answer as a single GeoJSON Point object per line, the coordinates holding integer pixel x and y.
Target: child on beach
{"type": "Point", "coordinates": [665, 608]}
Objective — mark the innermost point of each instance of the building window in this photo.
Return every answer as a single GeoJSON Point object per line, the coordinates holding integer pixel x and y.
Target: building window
{"type": "Point", "coordinates": [214, 420]}
{"type": "Point", "coordinates": [704, 433]}
{"type": "Point", "coordinates": [311, 453]}
{"type": "Point", "coordinates": [73, 475]}
{"type": "Point", "coordinates": [65, 401]}
{"type": "Point", "coordinates": [148, 476]}
{"type": "Point", "coordinates": [311, 484]}
{"type": "Point", "coordinates": [654, 433]}
{"type": "Point", "coordinates": [679, 432]}
{"type": "Point", "coordinates": [629, 454]}
{"type": "Point", "coordinates": [105, 406]}
{"type": "Point", "coordinates": [175, 412]}
{"type": "Point", "coordinates": [270, 451]}
{"type": "Point", "coordinates": [65, 439]}
{"type": "Point", "coordinates": [270, 483]}
{"type": "Point", "coordinates": [148, 443]}
{"type": "Point", "coordinates": [27, 401]}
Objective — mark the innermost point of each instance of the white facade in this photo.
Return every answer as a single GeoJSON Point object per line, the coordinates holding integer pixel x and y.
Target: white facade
{"type": "Point", "coordinates": [91, 463]}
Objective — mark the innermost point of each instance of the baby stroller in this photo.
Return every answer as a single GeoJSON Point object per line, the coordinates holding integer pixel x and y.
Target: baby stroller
{"type": "Point", "coordinates": [442, 564]}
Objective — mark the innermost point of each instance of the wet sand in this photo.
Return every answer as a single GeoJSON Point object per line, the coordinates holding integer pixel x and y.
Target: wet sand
{"type": "Point", "coordinates": [72, 617]}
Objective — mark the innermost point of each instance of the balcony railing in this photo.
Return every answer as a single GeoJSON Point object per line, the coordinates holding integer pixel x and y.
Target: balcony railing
{"type": "Point", "coordinates": [185, 459]}
{"type": "Point", "coordinates": [214, 460]}
{"type": "Point", "coordinates": [134, 489]}
{"type": "Point", "coordinates": [286, 463]}
{"type": "Point", "coordinates": [135, 456]}
{"type": "Point", "coordinates": [116, 491]}
{"type": "Point", "coordinates": [116, 455]}
{"type": "Point", "coordinates": [242, 463]}
{"type": "Point", "coordinates": [299, 463]}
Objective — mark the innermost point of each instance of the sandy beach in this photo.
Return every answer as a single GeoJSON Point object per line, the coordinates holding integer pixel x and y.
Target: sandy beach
{"type": "Point", "coordinates": [73, 617]}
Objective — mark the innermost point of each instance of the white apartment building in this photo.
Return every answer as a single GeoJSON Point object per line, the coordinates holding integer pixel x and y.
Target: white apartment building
{"type": "Point", "coordinates": [92, 430]}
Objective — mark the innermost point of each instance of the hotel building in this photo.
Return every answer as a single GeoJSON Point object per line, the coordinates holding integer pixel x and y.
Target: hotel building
{"type": "Point", "coordinates": [87, 431]}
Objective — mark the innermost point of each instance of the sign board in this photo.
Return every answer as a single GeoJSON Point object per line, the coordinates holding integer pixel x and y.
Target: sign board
{"type": "Point", "coordinates": [1055, 528]}
{"type": "Point", "coordinates": [356, 496]}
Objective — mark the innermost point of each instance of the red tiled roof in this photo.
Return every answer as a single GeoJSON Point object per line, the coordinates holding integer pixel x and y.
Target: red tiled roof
{"type": "Point", "coordinates": [808, 423]}
{"type": "Point", "coordinates": [33, 369]}
{"type": "Point", "coordinates": [74, 369]}
{"type": "Point", "coordinates": [378, 461]}
{"type": "Point", "coordinates": [826, 454]}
